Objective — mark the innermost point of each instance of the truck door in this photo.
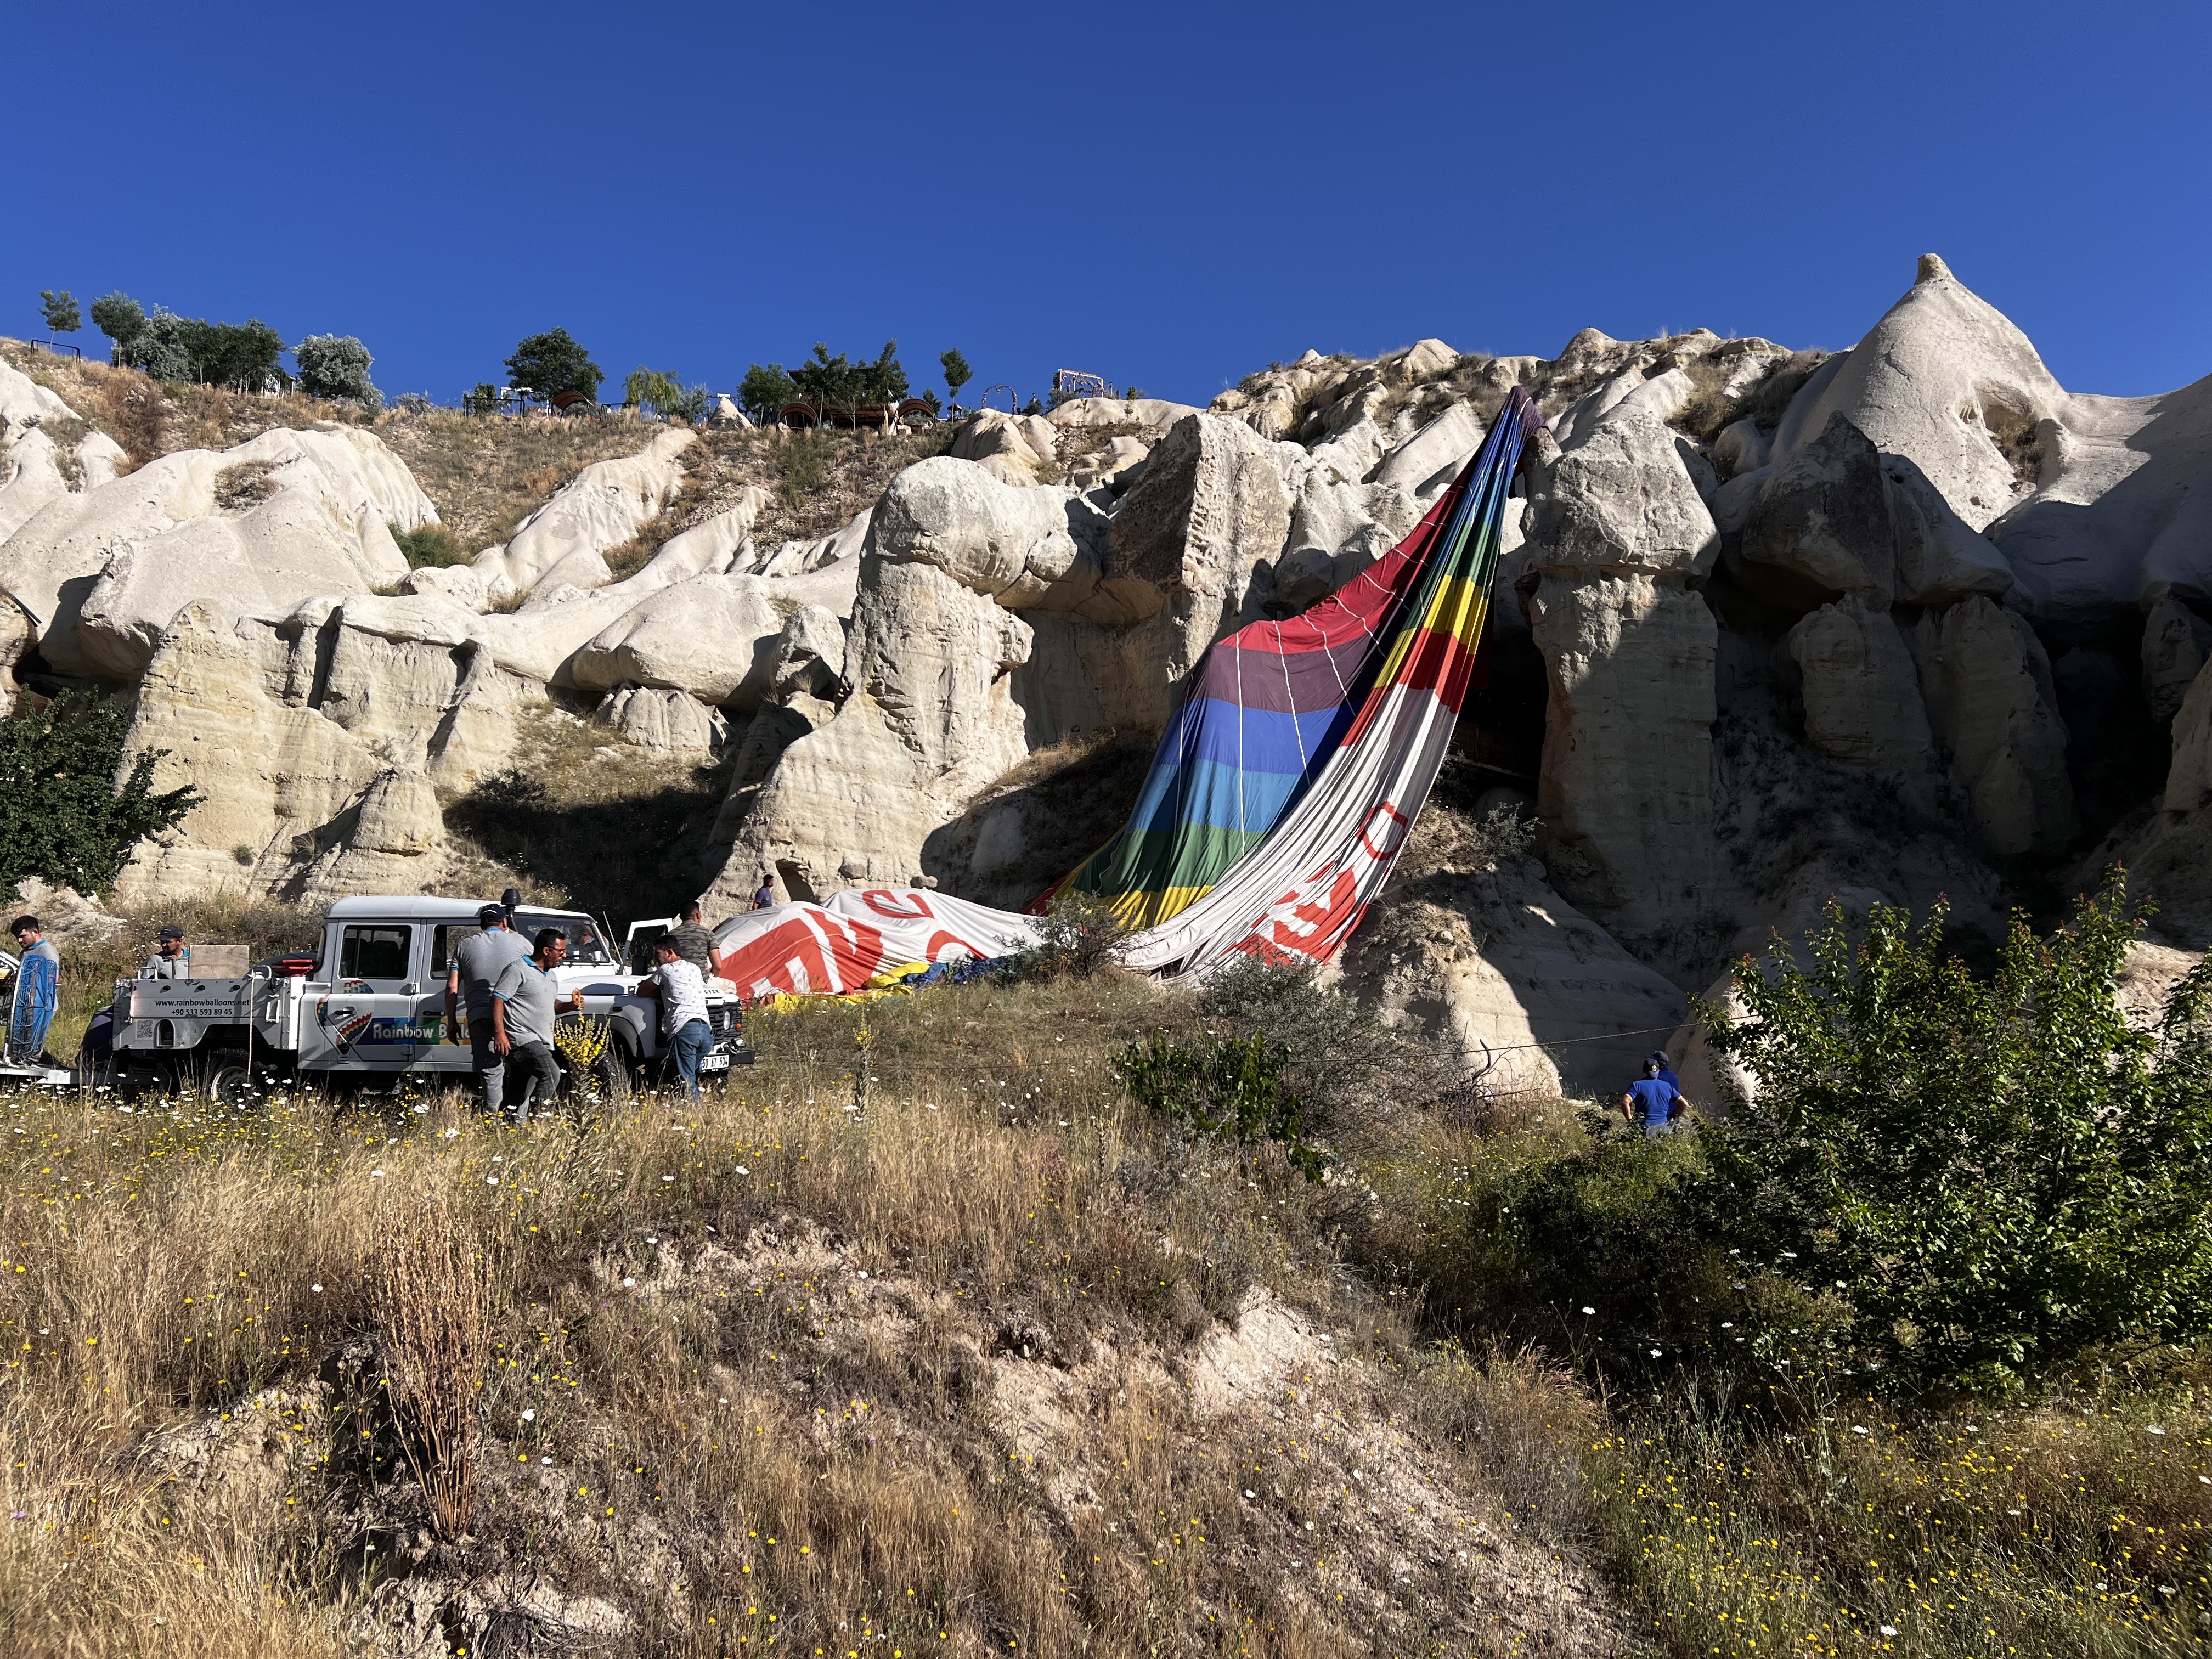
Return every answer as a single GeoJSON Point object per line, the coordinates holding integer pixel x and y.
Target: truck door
{"type": "Point", "coordinates": [368, 1021]}
{"type": "Point", "coordinates": [433, 1053]}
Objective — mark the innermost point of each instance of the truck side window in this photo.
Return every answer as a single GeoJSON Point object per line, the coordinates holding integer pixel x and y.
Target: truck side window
{"type": "Point", "coordinates": [448, 938]}
{"type": "Point", "coordinates": [375, 952]}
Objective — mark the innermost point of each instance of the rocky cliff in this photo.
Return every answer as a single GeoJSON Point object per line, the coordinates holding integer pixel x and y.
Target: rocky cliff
{"type": "Point", "coordinates": [1902, 621]}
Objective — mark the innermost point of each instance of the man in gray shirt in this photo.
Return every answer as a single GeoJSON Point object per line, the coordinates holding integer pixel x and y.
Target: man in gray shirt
{"type": "Point", "coordinates": [522, 1008]}
{"type": "Point", "coordinates": [477, 963]}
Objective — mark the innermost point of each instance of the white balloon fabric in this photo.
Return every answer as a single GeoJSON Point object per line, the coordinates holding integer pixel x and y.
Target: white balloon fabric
{"type": "Point", "coordinates": [860, 934]}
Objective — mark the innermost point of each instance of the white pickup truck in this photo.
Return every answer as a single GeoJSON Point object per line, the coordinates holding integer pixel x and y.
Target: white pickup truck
{"type": "Point", "coordinates": [372, 1007]}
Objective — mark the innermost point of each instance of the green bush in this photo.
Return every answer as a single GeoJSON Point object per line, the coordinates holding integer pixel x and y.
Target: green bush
{"type": "Point", "coordinates": [174, 348]}
{"type": "Point", "coordinates": [1079, 934]}
{"type": "Point", "coordinates": [552, 363]}
{"type": "Point", "coordinates": [1359, 1078]}
{"type": "Point", "coordinates": [831, 382]}
{"type": "Point", "coordinates": [665, 395]}
{"type": "Point", "coordinates": [1232, 1091]}
{"type": "Point", "coordinates": [63, 816]}
{"type": "Point", "coordinates": [429, 546]}
{"type": "Point", "coordinates": [482, 398]}
{"type": "Point", "coordinates": [335, 366]}
{"type": "Point", "coordinates": [1997, 1175]}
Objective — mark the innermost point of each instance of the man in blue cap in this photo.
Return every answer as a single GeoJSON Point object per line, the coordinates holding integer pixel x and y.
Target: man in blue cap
{"type": "Point", "coordinates": [1652, 1101]}
{"type": "Point", "coordinates": [477, 963]}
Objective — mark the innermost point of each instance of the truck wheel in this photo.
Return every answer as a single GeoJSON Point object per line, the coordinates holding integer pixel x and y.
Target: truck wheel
{"type": "Point", "coordinates": [226, 1079]}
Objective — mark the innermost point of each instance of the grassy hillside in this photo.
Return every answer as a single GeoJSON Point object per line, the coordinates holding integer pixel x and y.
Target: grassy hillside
{"type": "Point", "coordinates": [926, 1336]}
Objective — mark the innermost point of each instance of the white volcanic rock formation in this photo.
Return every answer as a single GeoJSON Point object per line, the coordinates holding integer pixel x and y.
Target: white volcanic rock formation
{"type": "Point", "coordinates": [1906, 621]}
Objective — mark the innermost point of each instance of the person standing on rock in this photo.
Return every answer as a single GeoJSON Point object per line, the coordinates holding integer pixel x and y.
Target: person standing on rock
{"type": "Point", "coordinates": [1652, 1101]}
{"type": "Point", "coordinates": [694, 943]}
{"type": "Point", "coordinates": [522, 1004]}
{"type": "Point", "coordinates": [477, 963]}
{"type": "Point", "coordinates": [765, 898]}
{"type": "Point", "coordinates": [38, 990]}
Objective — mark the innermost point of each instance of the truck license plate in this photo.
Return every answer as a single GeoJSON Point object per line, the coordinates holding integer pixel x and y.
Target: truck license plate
{"type": "Point", "coordinates": [714, 1063]}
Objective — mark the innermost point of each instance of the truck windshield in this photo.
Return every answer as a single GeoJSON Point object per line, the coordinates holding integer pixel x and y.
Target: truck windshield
{"type": "Point", "coordinates": [584, 944]}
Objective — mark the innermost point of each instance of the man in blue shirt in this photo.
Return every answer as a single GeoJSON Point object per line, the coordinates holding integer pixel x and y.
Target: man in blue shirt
{"type": "Point", "coordinates": [1652, 1101]}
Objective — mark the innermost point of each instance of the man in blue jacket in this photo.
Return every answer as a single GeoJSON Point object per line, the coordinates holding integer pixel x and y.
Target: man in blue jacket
{"type": "Point", "coordinates": [38, 990]}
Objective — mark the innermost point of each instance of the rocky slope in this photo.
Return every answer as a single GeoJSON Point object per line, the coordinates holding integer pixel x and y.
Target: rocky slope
{"type": "Point", "coordinates": [1906, 620]}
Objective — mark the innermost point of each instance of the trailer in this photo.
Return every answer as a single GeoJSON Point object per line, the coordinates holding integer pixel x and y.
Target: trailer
{"type": "Point", "coordinates": [368, 1012]}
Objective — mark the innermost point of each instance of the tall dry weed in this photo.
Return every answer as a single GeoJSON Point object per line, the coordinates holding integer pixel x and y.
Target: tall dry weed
{"type": "Point", "coordinates": [434, 1286]}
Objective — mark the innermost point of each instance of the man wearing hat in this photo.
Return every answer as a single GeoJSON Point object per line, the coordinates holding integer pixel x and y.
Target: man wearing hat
{"type": "Point", "coordinates": [171, 958]}
{"type": "Point", "coordinates": [477, 963]}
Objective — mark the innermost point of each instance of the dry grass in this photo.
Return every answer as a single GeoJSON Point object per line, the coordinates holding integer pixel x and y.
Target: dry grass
{"type": "Point", "coordinates": [435, 1292]}
{"type": "Point", "coordinates": [948, 1374]}
{"type": "Point", "coordinates": [817, 481]}
{"type": "Point", "coordinates": [487, 472]}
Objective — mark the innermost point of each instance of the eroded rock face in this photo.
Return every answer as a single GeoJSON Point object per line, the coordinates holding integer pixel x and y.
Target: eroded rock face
{"type": "Point", "coordinates": [284, 728]}
{"type": "Point", "coordinates": [674, 721]}
{"type": "Point", "coordinates": [2176, 644]}
{"type": "Point", "coordinates": [1987, 679]}
{"type": "Point", "coordinates": [1620, 501]}
{"type": "Point", "coordinates": [2121, 516]}
{"type": "Point", "coordinates": [1210, 505]}
{"type": "Point", "coordinates": [1945, 380]}
{"type": "Point", "coordinates": [1483, 952]}
{"type": "Point", "coordinates": [712, 637]}
{"type": "Point", "coordinates": [930, 720]}
{"type": "Point", "coordinates": [1861, 694]}
{"type": "Point", "coordinates": [253, 531]}
{"type": "Point", "coordinates": [1839, 517]}
{"type": "Point", "coordinates": [597, 511]}
{"type": "Point", "coordinates": [1626, 795]}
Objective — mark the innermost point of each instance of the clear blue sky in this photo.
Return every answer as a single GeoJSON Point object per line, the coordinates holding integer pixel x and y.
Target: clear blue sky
{"type": "Point", "coordinates": [1169, 196]}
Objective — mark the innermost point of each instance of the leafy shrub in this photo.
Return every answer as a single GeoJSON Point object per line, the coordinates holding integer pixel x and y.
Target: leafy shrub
{"type": "Point", "coordinates": [1080, 935]}
{"type": "Point", "coordinates": [174, 348]}
{"type": "Point", "coordinates": [159, 349]}
{"type": "Point", "coordinates": [64, 818]}
{"type": "Point", "coordinates": [831, 382]}
{"type": "Point", "coordinates": [1998, 1173]}
{"type": "Point", "coordinates": [335, 366]}
{"type": "Point", "coordinates": [1232, 1091]}
{"type": "Point", "coordinates": [552, 363]}
{"type": "Point", "coordinates": [482, 398]}
{"type": "Point", "coordinates": [429, 546]}
{"type": "Point", "coordinates": [665, 395]}
{"type": "Point", "coordinates": [1356, 1075]}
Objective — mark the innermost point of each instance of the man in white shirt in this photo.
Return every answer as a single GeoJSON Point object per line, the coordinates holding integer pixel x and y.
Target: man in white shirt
{"type": "Point", "coordinates": [681, 990]}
